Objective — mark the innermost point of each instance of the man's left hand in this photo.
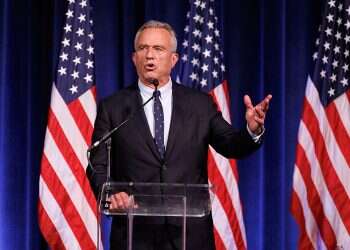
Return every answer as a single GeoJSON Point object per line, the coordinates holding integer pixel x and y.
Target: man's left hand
{"type": "Point", "coordinates": [255, 115]}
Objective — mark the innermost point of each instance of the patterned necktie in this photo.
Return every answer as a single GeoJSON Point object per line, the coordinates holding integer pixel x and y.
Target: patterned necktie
{"type": "Point", "coordinates": [158, 124]}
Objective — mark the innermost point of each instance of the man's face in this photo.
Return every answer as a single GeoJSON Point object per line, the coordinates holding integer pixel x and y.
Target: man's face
{"type": "Point", "coordinates": [153, 57]}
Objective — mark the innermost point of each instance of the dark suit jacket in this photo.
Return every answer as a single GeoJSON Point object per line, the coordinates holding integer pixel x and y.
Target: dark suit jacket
{"type": "Point", "coordinates": [195, 124]}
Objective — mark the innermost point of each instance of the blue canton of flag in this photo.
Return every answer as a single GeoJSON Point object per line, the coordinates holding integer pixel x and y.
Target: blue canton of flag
{"type": "Point", "coordinates": [201, 64]}
{"type": "Point", "coordinates": [331, 74]}
{"type": "Point", "coordinates": [75, 73]}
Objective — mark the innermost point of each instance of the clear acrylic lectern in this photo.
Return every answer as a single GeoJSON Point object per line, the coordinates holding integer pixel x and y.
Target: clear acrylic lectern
{"type": "Point", "coordinates": [157, 199]}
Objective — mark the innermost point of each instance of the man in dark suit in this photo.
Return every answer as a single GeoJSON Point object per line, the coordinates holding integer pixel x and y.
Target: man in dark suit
{"type": "Point", "coordinates": [168, 141]}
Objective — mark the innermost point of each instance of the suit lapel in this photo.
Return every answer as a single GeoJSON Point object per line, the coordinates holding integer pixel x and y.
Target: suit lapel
{"type": "Point", "coordinates": [177, 120]}
{"type": "Point", "coordinates": [141, 124]}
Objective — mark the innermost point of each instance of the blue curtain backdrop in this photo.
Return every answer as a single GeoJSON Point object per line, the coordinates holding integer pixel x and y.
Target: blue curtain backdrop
{"type": "Point", "coordinates": [267, 47]}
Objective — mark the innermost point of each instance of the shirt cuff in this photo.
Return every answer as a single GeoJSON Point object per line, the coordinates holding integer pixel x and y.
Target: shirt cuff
{"type": "Point", "coordinates": [256, 137]}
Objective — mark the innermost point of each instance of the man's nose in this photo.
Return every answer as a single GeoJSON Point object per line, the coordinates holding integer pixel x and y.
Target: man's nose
{"type": "Point", "coordinates": [149, 53]}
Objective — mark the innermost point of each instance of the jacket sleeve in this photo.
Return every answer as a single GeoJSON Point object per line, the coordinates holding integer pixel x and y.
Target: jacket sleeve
{"type": "Point", "coordinates": [97, 173]}
{"type": "Point", "coordinates": [225, 139]}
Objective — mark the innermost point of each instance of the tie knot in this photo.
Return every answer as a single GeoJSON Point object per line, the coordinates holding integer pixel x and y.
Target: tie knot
{"type": "Point", "coordinates": [156, 94]}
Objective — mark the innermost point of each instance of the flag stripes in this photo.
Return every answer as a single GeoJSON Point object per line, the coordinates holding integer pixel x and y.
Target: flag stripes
{"type": "Point", "coordinates": [320, 200]}
{"type": "Point", "coordinates": [67, 208]}
{"type": "Point", "coordinates": [223, 174]}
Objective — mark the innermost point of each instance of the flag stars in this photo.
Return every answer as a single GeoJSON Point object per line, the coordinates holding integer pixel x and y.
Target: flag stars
{"type": "Point", "coordinates": [90, 50]}
{"type": "Point", "coordinates": [333, 77]}
{"type": "Point", "coordinates": [62, 71]}
{"type": "Point", "coordinates": [195, 62]}
{"type": "Point", "coordinates": [347, 39]}
{"type": "Point", "coordinates": [193, 76]}
{"type": "Point", "coordinates": [75, 74]}
{"type": "Point", "coordinates": [210, 25]}
{"type": "Point", "coordinates": [197, 3]}
{"type": "Point", "coordinates": [209, 39]}
{"type": "Point", "coordinates": [335, 64]}
{"type": "Point", "coordinates": [347, 24]}
{"type": "Point", "coordinates": [331, 92]}
{"type": "Point", "coordinates": [196, 47]}
{"type": "Point", "coordinates": [197, 18]}
{"type": "Point", "coordinates": [202, 6]}
{"type": "Point", "coordinates": [83, 3]}
{"type": "Point", "coordinates": [340, 7]}
{"type": "Point", "coordinates": [91, 36]}
{"type": "Point", "coordinates": [344, 81]}
{"type": "Point", "coordinates": [317, 41]}
{"type": "Point", "coordinates": [325, 59]}
{"type": "Point", "coordinates": [346, 53]}
{"type": "Point", "coordinates": [315, 56]}
{"type": "Point", "coordinates": [184, 58]}
{"type": "Point", "coordinates": [64, 56]}
{"type": "Point", "coordinates": [326, 45]}
{"type": "Point", "coordinates": [66, 42]}
{"type": "Point", "coordinates": [216, 46]}
{"type": "Point", "coordinates": [339, 21]}
{"type": "Point", "coordinates": [348, 10]}
{"type": "Point", "coordinates": [74, 89]}
{"type": "Point", "coordinates": [222, 68]}
{"type": "Point", "coordinates": [80, 32]}
{"type": "Point", "coordinates": [78, 46]}
{"type": "Point", "coordinates": [336, 49]}
{"type": "Point", "coordinates": [215, 74]}
{"type": "Point", "coordinates": [330, 18]}
{"type": "Point", "coordinates": [328, 31]}
{"type": "Point", "coordinates": [185, 44]}
{"type": "Point", "coordinates": [197, 33]}
{"type": "Point", "coordinates": [217, 32]}
{"type": "Point", "coordinates": [331, 3]}
{"type": "Point", "coordinates": [205, 68]}
{"type": "Point", "coordinates": [203, 82]}
{"type": "Point", "coordinates": [187, 29]}
{"type": "Point", "coordinates": [345, 67]}
{"type": "Point", "coordinates": [69, 14]}
{"type": "Point", "coordinates": [88, 78]}
{"type": "Point", "coordinates": [211, 11]}
{"type": "Point", "coordinates": [323, 74]}
{"type": "Point", "coordinates": [338, 35]}
{"type": "Point", "coordinates": [216, 60]}
{"type": "Point", "coordinates": [67, 28]}
{"type": "Point", "coordinates": [71, 1]}
{"type": "Point", "coordinates": [89, 64]}
{"type": "Point", "coordinates": [81, 18]}
{"type": "Point", "coordinates": [206, 53]}
{"type": "Point", "coordinates": [76, 60]}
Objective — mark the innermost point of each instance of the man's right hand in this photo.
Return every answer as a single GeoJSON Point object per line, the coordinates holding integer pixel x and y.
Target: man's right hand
{"type": "Point", "coordinates": [119, 201]}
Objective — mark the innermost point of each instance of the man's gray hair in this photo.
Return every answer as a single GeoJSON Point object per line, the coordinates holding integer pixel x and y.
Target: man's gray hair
{"type": "Point", "coordinates": [158, 25]}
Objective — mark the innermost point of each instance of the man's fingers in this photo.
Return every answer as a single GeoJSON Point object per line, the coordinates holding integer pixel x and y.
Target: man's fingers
{"type": "Point", "coordinates": [260, 112]}
{"type": "Point", "coordinates": [119, 201]}
{"type": "Point", "coordinates": [247, 101]}
{"type": "Point", "coordinates": [265, 102]}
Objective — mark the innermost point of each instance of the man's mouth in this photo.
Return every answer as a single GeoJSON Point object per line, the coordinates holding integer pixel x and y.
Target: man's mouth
{"type": "Point", "coordinates": [150, 66]}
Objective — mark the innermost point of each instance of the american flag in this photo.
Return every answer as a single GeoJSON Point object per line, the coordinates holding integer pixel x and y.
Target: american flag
{"type": "Point", "coordinates": [201, 67]}
{"type": "Point", "coordinates": [67, 207]}
{"type": "Point", "coordinates": [321, 182]}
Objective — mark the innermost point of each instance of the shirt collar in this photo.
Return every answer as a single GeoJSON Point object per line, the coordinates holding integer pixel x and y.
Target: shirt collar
{"type": "Point", "coordinates": [148, 91]}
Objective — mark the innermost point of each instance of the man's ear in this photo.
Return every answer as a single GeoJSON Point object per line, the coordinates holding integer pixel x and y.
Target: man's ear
{"type": "Point", "coordinates": [174, 59]}
{"type": "Point", "coordinates": [133, 57]}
